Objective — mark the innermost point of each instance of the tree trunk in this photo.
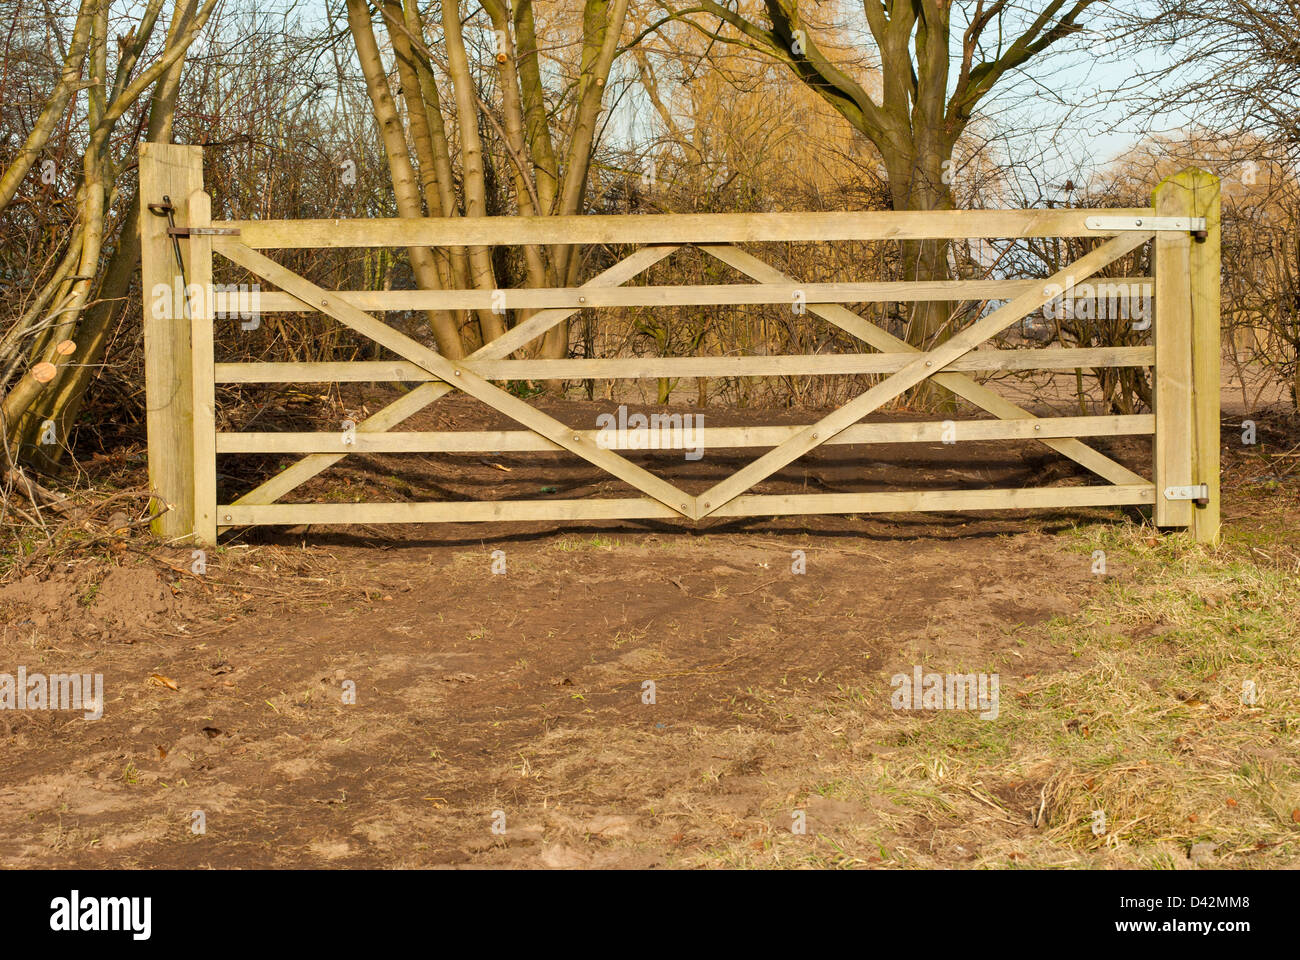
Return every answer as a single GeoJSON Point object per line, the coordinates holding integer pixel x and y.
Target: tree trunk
{"type": "Point", "coordinates": [405, 190]}
{"type": "Point", "coordinates": [917, 182]}
{"type": "Point", "coordinates": [64, 402]}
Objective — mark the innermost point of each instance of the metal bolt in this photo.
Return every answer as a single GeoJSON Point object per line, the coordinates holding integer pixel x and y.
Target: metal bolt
{"type": "Point", "coordinates": [1038, 426]}
{"type": "Point", "coordinates": [929, 363]}
{"type": "Point", "coordinates": [814, 436]}
{"type": "Point", "coordinates": [456, 372]}
{"type": "Point", "coordinates": [582, 299]}
{"type": "Point", "coordinates": [227, 516]}
{"type": "Point", "coordinates": [324, 303]}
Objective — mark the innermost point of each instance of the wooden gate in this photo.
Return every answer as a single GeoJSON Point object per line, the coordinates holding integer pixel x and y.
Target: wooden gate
{"type": "Point", "coordinates": [178, 242]}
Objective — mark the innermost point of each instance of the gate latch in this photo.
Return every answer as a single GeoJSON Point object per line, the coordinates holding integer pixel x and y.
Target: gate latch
{"type": "Point", "coordinates": [202, 232]}
{"type": "Point", "coordinates": [1198, 493]}
{"type": "Point", "coordinates": [168, 209]}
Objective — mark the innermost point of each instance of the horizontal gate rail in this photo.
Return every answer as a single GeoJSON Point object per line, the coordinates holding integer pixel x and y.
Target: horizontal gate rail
{"type": "Point", "coordinates": [182, 371]}
{"type": "Point", "coordinates": [752, 505]}
{"type": "Point", "coordinates": [716, 294]}
{"type": "Point", "coordinates": [650, 367]}
{"type": "Point", "coordinates": [679, 438]}
{"type": "Point", "coordinates": [677, 228]}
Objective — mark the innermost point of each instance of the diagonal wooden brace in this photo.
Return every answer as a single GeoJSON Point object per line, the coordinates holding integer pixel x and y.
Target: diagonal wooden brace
{"type": "Point", "coordinates": [960, 384]}
{"type": "Point", "coordinates": [421, 397]}
{"type": "Point", "coordinates": [460, 376]}
{"type": "Point", "coordinates": [925, 365]}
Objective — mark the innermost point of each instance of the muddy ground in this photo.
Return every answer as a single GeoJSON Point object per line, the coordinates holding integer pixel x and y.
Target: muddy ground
{"type": "Point", "coordinates": [390, 697]}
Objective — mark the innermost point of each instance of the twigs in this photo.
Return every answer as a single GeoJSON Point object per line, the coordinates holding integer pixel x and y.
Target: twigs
{"type": "Point", "coordinates": [34, 493]}
{"type": "Point", "coordinates": [75, 520]}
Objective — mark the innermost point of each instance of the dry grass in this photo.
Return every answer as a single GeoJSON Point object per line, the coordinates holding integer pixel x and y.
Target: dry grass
{"type": "Point", "coordinates": [1151, 728]}
{"type": "Point", "coordinates": [1146, 723]}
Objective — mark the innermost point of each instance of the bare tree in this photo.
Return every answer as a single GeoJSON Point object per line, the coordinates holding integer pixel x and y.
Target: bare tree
{"type": "Point", "coordinates": [510, 127]}
{"type": "Point", "coordinates": [1228, 65]}
{"type": "Point", "coordinates": [46, 351]}
{"type": "Point", "coordinates": [935, 72]}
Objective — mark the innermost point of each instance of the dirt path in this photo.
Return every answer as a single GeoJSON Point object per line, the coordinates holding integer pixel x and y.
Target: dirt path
{"type": "Point", "coordinates": [519, 691]}
{"type": "Point", "coordinates": [388, 697]}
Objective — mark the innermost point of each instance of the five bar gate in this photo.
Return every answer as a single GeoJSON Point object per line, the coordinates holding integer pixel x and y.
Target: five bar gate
{"type": "Point", "coordinates": [182, 374]}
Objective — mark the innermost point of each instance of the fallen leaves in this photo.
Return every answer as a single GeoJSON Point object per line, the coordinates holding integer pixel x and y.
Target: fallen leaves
{"type": "Point", "coordinates": [158, 680]}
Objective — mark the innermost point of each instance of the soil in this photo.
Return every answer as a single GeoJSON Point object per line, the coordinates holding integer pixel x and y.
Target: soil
{"type": "Point", "coordinates": [387, 696]}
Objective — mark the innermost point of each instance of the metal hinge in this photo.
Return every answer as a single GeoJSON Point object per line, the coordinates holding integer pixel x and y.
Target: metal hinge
{"type": "Point", "coordinates": [1196, 226]}
{"type": "Point", "coordinates": [1198, 493]}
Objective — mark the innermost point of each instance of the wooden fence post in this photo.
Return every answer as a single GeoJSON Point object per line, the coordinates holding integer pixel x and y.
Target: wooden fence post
{"type": "Point", "coordinates": [203, 369]}
{"type": "Point", "coordinates": [1187, 342]}
{"type": "Point", "coordinates": [1207, 353]}
{"type": "Point", "coordinates": [168, 170]}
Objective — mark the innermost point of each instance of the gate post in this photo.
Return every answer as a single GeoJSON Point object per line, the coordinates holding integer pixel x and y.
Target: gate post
{"type": "Point", "coordinates": [1187, 345]}
{"type": "Point", "coordinates": [168, 170]}
{"type": "Point", "coordinates": [1207, 353]}
{"type": "Point", "coordinates": [203, 372]}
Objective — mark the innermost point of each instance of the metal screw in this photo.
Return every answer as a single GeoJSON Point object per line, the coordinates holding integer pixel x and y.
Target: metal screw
{"type": "Point", "coordinates": [1038, 426]}
{"type": "Point", "coordinates": [227, 516]}
{"type": "Point", "coordinates": [929, 363]}
{"type": "Point", "coordinates": [456, 372]}
{"type": "Point", "coordinates": [582, 299]}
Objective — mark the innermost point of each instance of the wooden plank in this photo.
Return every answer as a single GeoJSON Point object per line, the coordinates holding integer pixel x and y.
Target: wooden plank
{"type": "Point", "coordinates": [1172, 330]}
{"type": "Point", "coordinates": [419, 398]}
{"type": "Point", "coordinates": [523, 298]}
{"type": "Point", "coordinates": [962, 386]}
{"type": "Point", "coordinates": [295, 514]}
{"type": "Point", "coordinates": [675, 438]}
{"type": "Point", "coordinates": [910, 501]}
{"type": "Point", "coordinates": [654, 367]}
{"type": "Point", "coordinates": [176, 172]}
{"type": "Point", "coordinates": [923, 501]}
{"type": "Point", "coordinates": [463, 377]}
{"type": "Point", "coordinates": [202, 372]}
{"type": "Point", "coordinates": [1207, 354]}
{"type": "Point", "coordinates": [675, 228]}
